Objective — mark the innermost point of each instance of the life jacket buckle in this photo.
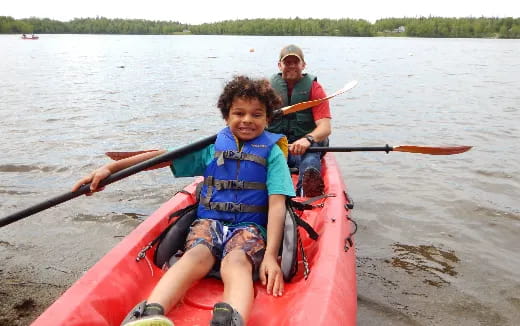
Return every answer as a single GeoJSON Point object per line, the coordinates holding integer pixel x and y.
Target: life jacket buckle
{"type": "Point", "coordinates": [233, 207]}
{"type": "Point", "coordinates": [236, 184]}
{"type": "Point", "coordinates": [234, 155]}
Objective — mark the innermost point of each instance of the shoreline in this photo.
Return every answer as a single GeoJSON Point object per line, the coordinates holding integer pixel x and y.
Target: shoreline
{"type": "Point", "coordinates": [393, 35]}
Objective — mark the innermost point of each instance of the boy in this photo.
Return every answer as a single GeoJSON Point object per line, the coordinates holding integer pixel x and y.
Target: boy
{"type": "Point", "coordinates": [241, 213]}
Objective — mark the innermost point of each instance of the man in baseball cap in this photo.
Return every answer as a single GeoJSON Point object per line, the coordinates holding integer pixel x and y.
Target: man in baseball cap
{"type": "Point", "coordinates": [291, 50]}
{"type": "Point", "coordinates": [305, 128]}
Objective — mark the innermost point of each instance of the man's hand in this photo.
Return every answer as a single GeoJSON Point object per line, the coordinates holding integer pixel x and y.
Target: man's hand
{"type": "Point", "coordinates": [299, 147]}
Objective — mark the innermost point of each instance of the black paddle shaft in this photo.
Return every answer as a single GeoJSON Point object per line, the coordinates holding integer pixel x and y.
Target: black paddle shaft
{"type": "Point", "coordinates": [169, 156]}
{"type": "Point", "coordinates": [351, 149]}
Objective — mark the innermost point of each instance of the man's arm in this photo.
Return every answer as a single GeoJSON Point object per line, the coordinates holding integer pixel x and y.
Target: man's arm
{"type": "Point", "coordinates": [322, 130]}
{"type": "Point", "coordinates": [322, 117]}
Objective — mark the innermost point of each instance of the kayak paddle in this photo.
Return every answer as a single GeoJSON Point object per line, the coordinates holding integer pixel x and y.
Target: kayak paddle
{"type": "Point", "coordinates": [442, 150]}
{"type": "Point", "coordinates": [161, 159]}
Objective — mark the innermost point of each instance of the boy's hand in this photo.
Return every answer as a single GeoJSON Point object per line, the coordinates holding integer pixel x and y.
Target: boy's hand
{"type": "Point", "coordinates": [94, 178]}
{"type": "Point", "coordinates": [271, 276]}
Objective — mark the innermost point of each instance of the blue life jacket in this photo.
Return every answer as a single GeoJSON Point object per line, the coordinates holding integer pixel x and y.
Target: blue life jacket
{"type": "Point", "coordinates": [234, 188]}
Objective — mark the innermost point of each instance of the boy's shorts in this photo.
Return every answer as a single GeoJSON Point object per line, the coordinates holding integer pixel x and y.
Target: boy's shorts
{"type": "Point", "coordinates": [221, 239]}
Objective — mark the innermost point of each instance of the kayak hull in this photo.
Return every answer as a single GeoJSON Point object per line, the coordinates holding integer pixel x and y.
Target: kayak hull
{"type": "Point", "coordinates": [114, 285]}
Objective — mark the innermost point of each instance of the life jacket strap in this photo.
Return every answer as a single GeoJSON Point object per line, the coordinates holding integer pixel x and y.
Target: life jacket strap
{"type": "Point", "coordinates": [236, 208]}
{"type": "Point", "coordinates": [233, 184]}
{"type": "Point", "coordinates": [235, 155]}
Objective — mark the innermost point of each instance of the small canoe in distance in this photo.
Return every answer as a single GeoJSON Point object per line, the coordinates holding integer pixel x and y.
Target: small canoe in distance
{"type": "Point", "coordinates": [32, 37]}
{"type": "Point", "coordinates": [328, 296]}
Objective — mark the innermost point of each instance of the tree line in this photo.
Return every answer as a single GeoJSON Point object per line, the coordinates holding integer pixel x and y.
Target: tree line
{"type": "Point", "coordinates": [414, 27]}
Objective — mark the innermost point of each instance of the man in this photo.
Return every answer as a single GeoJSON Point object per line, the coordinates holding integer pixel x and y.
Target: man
{"type": "Point", "coordinates": [306, 128]}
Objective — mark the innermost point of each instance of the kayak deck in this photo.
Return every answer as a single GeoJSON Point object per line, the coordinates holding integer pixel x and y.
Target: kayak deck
{"type": "Point", "coordinates": [114, 285]}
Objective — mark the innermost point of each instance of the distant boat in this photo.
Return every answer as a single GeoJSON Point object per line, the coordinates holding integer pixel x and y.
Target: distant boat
{"type": "Point", "coordinates": [32, 37]}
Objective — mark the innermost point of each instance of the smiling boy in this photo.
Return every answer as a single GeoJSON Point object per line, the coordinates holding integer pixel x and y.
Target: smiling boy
{"type": "Point", "coordinates": [241, 212]}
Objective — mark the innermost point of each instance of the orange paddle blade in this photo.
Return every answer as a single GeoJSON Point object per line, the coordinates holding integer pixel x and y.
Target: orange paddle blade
{"type": "Point", "coordinates": [305, 105]}
{"type": "Point", "coordinates": [447, 150]}
{"type": "Point", "coordinates": [116, 156]}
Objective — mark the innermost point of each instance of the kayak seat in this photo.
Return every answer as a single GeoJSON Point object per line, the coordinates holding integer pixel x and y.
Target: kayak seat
{"type": "Point", "coordinates": [170, 243]}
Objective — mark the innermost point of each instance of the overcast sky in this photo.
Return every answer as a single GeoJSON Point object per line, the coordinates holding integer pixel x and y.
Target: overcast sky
{"type": "Point", "coordinates": [206, 11]}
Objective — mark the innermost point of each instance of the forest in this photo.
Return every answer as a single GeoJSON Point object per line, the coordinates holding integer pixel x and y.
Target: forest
{"type": "Point", "coordinates": [410, 27]}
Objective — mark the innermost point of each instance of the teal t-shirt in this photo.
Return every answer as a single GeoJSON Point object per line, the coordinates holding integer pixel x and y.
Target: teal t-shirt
{"type": "Point", "coordinates": [279, 180]}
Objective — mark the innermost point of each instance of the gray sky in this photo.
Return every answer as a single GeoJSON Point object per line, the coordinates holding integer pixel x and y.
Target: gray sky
{"type": "Point", "coordinates": [206, 11]}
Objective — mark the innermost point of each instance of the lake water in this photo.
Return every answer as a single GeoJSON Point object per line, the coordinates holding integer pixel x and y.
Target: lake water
{"type": "Point", "coordinates": [438, 235]}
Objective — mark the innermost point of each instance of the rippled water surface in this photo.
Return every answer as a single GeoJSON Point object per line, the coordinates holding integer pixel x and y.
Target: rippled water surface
{"type": "Point", "coordinates": [438, 235]}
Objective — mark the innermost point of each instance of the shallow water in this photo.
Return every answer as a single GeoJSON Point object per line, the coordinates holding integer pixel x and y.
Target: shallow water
{"type": "Point", "coordinates": [437, 235]}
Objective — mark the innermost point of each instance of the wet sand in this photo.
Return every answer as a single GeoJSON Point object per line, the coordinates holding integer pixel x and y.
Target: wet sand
{"type": "Point", "coordinates": [32, 281]}
{"type": "Point", "coordinates": [35, 273]}
{"type": "Point", "coordinates": [22, 299]}
{"type": "Point", "coordinates": [38, 266]}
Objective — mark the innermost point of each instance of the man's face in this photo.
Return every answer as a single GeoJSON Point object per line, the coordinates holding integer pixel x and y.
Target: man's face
{"type": "Point", "coordinates": [291, 68]}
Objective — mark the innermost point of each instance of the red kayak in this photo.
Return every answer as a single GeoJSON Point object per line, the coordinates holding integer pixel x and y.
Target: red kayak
{"type": "Point", "coordinates": [328, 296]}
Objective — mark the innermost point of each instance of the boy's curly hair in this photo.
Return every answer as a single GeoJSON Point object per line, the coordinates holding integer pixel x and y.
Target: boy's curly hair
{"type": "Point", "coordinates": [248, 88]}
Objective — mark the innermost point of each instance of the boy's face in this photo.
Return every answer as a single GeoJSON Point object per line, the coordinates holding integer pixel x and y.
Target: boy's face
{"type": "Point", "coordinates": [247, 118]}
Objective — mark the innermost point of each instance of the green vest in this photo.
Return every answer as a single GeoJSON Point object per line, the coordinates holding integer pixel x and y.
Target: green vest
{"type": "Point", "coordinates": [298, 124]}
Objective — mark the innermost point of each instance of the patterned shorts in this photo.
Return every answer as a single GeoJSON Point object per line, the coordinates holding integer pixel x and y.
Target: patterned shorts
{"type": "Point", "coordinates": [222, 239]}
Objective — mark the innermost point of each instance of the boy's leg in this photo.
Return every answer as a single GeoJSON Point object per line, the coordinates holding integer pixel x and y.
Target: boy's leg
{"type": "Point", "coordinates": [202, 243]}
{"type": "Point", "coordinates": [191, 267]}
{"type": "Point", "coordinates": [237, 274]}
{"type": "Point", "coordinates": [243, 254]}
